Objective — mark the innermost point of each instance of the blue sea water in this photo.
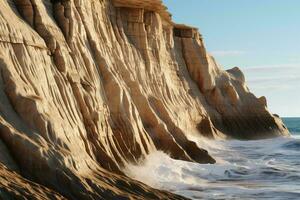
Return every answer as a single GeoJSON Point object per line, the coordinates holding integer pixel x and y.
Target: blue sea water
{"type": "Point", "coordinates": [293, 124]}
{"type": "Point", "coordinates": [263, 169]}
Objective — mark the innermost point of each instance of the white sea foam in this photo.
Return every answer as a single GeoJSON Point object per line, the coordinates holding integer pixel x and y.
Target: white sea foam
{"type": "Point", "coordinates": [245, 170]}
{"type": "Point", "coordinates": [296, 136]}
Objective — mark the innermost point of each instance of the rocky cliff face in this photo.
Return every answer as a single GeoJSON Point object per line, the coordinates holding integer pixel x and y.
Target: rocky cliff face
{"type": "Point", "coordinates": [90, 85]}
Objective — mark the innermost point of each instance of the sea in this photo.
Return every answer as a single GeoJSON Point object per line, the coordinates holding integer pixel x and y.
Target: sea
{"type": "Point", "coordinates": [262, 169]}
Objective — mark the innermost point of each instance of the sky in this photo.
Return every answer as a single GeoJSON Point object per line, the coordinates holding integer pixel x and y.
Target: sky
{"type": "Point", "coordinates": [262, 37]}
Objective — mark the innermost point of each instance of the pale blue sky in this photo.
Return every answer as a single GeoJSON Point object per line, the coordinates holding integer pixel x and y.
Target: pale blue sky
{"type": "Point", "coordinates": [262, 37]}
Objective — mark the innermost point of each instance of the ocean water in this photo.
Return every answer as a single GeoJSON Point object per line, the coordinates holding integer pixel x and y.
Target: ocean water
{"type": "Point", "coordinates": [264, 169]}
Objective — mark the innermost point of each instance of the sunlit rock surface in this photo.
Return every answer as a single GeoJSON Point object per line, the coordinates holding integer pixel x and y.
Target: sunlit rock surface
{"type": "Point", "coordinates": [88, 86]}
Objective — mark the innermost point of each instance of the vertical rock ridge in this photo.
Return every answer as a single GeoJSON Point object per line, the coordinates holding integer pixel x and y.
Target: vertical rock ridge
{"type": "Point", "coordinates": [88, 86]}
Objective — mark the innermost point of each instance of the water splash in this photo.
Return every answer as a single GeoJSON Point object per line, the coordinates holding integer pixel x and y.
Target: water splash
{"type": "Point", "coordinates": [244, 170]}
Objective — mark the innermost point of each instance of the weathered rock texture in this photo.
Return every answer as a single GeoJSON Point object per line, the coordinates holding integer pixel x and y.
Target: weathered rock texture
{"type": "Point", "coordinates": [87, 86]}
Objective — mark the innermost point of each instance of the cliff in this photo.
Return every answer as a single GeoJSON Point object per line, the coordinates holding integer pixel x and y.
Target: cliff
{"type": "Point", "coordinates": [90, 85]}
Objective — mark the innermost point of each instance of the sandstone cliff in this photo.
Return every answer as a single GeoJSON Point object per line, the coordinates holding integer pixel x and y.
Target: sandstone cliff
{"type": "Point", "coordinates": [90, 85]}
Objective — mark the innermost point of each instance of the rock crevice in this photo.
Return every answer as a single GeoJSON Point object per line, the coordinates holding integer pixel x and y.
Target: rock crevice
{"type": "Point", "coordinates": [89, 86]}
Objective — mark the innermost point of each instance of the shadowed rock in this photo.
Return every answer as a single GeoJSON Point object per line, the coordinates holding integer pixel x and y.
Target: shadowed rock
{"type": "Point", "coordinates": [89, 86]}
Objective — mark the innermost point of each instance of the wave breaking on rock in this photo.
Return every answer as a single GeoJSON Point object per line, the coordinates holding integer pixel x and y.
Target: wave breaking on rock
{"type": "Point", "coordinates": [89, 86]}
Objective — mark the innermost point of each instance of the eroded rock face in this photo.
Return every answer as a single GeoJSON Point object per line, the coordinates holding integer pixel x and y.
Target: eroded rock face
{"type": "Point", "coordinates": [88, 86]}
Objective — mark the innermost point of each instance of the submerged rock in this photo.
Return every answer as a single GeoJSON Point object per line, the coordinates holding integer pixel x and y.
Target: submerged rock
{"type": "Point", "coordinates": [89, 86]}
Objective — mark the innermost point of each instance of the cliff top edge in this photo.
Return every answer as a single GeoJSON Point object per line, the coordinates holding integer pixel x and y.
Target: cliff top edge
{"type": "Point", "coordinates": [153, 5]}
